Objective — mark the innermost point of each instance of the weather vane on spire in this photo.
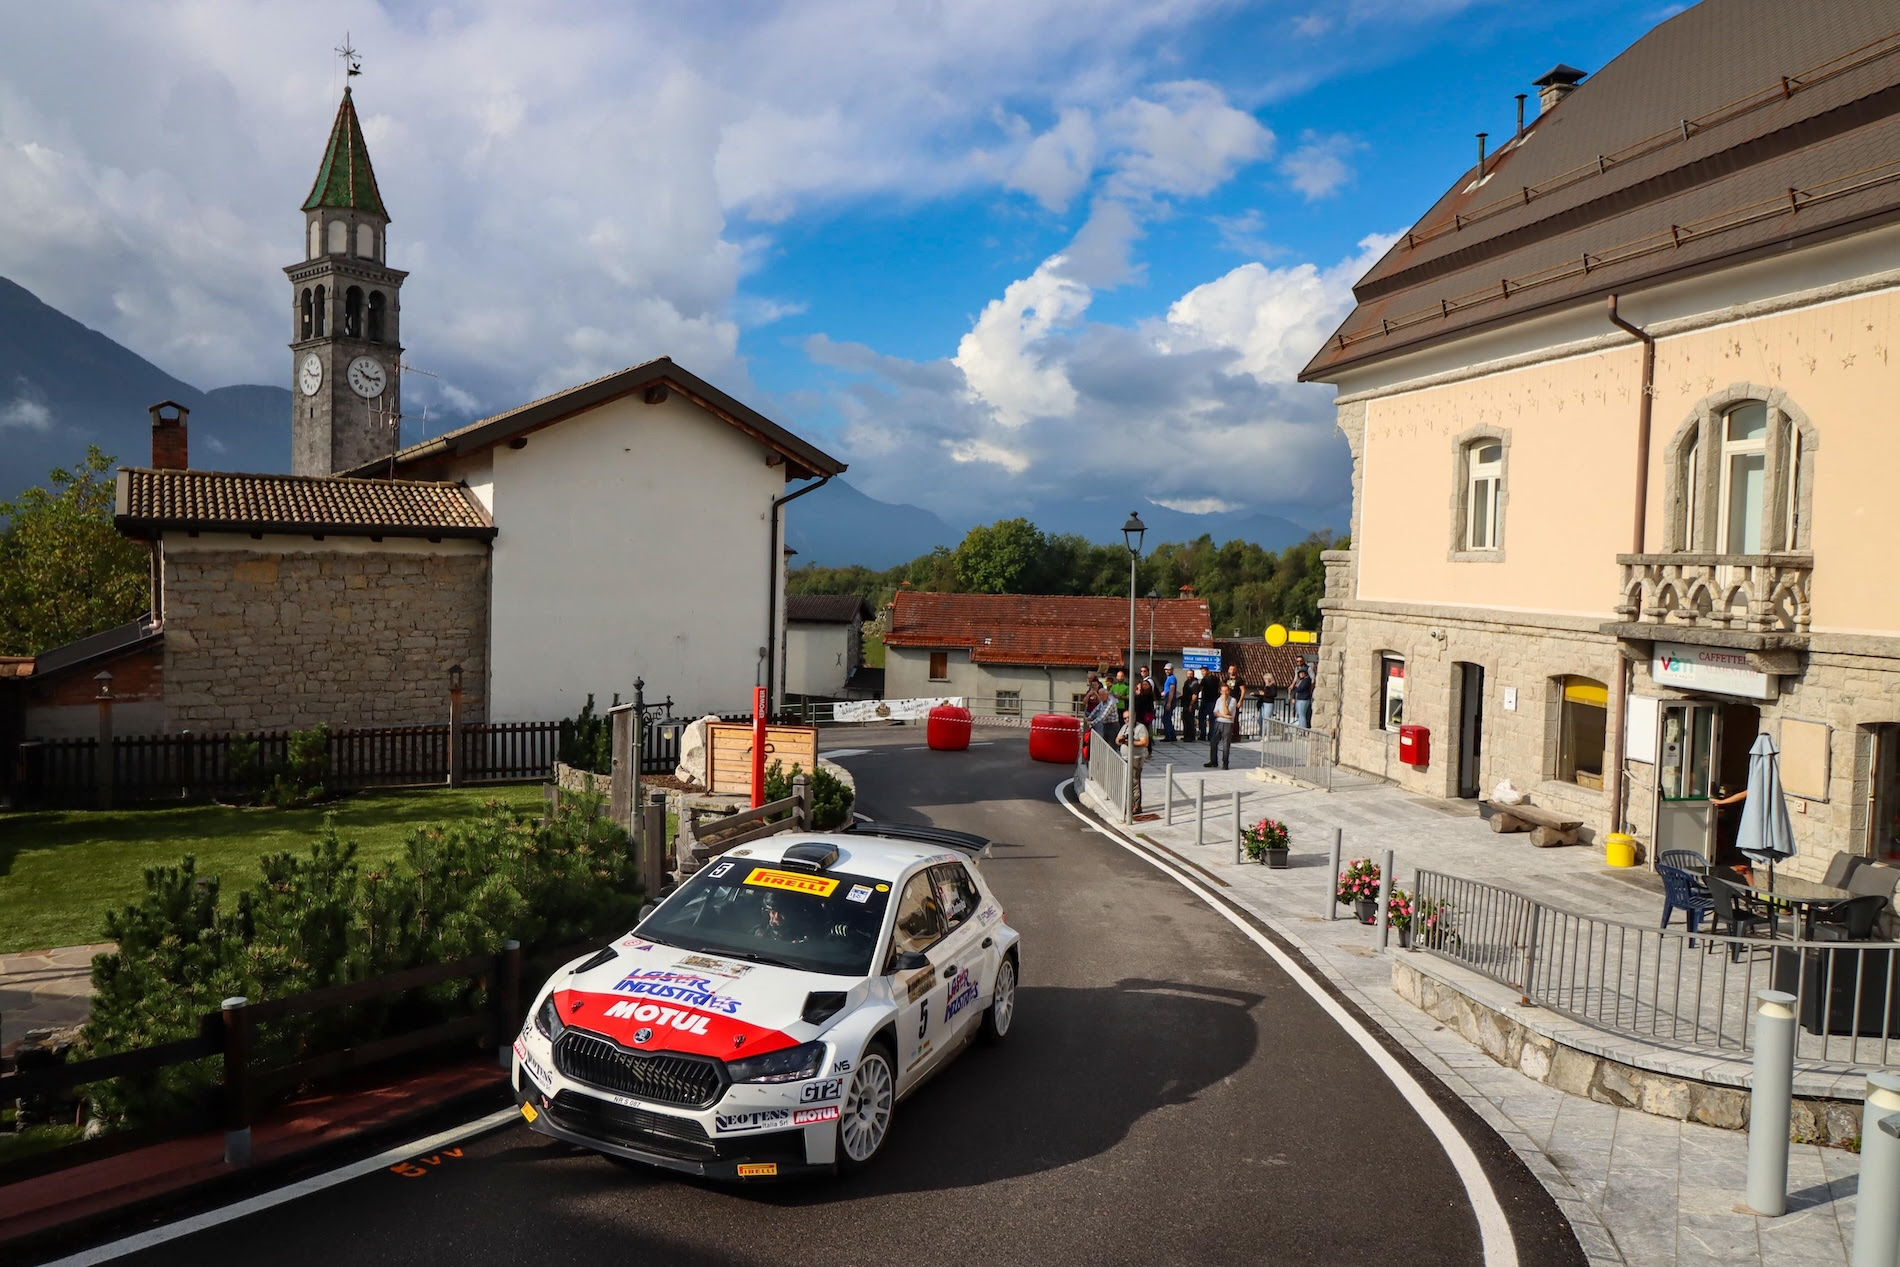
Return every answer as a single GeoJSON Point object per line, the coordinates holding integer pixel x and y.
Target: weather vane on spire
{"type": "Point", "coordinates": [352, 65]}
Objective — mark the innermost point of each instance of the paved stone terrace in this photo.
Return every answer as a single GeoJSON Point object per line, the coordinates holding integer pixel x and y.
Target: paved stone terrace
{"type": "Point", "coordinates": [45, 988]}
{"type": "Point", "coordinates": [1639, 1189]}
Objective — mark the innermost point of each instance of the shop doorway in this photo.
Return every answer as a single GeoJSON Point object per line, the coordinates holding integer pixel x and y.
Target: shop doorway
{"type": "Point", "coordinates": [1470, 728]}
{"type": "Point", "coordinates": [1883, 793]}
{"type": "Point", "coordinates": [1702, 747]}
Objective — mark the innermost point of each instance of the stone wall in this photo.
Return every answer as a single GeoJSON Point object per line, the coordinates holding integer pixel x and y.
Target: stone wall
{"type": "Point", "coordinates": [268, 635]}
{"type": "Point", "coordinates": [1520, 654]}
{"type": "Point", "coordinates": [1592, 1076]}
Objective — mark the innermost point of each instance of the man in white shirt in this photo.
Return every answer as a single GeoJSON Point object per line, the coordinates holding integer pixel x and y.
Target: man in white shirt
{"type": "Point", "coordinates": [1134, 741]}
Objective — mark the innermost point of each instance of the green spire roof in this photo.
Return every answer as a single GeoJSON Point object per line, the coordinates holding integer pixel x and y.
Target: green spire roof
{"type": "Point", "coordinates": [345, 179]}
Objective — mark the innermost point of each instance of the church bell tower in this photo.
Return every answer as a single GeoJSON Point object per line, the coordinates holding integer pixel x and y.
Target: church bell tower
{"type": "Point", "coordinates": [346, 346]}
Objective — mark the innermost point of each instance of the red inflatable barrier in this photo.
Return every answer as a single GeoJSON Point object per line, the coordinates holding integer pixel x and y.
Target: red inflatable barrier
{"type": "Point", "coordinates": [948, 729]}
{"type": "Point", "coordinates": [1056, 738]}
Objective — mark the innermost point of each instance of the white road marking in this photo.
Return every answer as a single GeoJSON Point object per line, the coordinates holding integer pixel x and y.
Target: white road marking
{"type": "Point", "coordinates": [1494, 1229]}
{"type": "Point", "coordinates": [842, 753]}
{"type": "Point", "coordinates": [278, 1196]}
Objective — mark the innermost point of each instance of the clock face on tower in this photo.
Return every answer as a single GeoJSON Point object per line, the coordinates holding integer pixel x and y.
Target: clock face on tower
{"type": "Point", "coordinates": [367, 377]}
{"type": "Point", "coordinates": [310, 374]}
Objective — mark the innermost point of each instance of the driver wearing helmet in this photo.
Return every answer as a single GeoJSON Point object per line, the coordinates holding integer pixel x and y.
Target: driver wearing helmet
{"type": "Point", "coordinates": [790, 919]}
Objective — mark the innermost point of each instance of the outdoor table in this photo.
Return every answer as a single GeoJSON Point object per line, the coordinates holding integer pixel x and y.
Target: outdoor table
{"type": "Point", "coordinates": [1802, 897]}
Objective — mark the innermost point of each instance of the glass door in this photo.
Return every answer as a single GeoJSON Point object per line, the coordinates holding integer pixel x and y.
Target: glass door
{"type": "Point", "coordinates": [1685, 746]}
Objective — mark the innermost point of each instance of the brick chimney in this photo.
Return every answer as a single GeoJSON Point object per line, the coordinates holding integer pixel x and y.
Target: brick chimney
{"type": "Point", "coordinates": [169, 449]}
{"type": "Point", "coordinates": [1555, 84]}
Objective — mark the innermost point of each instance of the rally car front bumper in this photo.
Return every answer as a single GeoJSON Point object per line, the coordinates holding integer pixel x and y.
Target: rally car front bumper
{"type": "Point", "coordinates": [609, 1123]}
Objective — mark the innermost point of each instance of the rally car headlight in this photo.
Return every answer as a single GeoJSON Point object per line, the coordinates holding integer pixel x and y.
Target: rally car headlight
{"type": "Point", "coordinates": [547, 1020]}
{"type": "Point", "coordinates": [789, 1065]}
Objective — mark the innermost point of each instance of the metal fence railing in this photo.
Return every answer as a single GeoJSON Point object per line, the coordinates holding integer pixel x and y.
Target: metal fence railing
{"type": "Point", "coordinates": [1668, 986]}
{"type": "Point", "coordinates": [1297, 752]}
{"type": "Point", "coordinates": [1108, 771]}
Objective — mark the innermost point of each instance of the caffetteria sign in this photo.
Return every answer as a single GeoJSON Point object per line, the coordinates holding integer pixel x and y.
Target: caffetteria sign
{"type": "Point", "coordinates": [1719, 670]}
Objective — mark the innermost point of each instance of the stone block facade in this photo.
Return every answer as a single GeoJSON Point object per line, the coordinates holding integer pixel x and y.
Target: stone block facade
{"type": "Point", "coordinates": [262, 635]}
{"type": "Point", "coordinates": [1524, 659]}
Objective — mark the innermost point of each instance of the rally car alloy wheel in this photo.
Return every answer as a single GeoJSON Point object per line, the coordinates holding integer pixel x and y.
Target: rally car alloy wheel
{"type": "Point", "coordinates": [1002, 1009]}
{"type": "Point", "coordinates": [866, 1118]}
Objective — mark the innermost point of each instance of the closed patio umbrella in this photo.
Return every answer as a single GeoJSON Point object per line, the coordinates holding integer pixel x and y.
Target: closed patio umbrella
{"type": "Point", "coordinates": [1766, 833]}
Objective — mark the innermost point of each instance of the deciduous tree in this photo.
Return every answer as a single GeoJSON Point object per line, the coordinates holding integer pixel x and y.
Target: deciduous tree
{"type": "Point", "coordinates": [65, 571]}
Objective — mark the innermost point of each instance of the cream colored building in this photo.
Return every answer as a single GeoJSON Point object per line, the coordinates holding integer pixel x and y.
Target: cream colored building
{"type": "Point", "coordinates": [1622, 413]}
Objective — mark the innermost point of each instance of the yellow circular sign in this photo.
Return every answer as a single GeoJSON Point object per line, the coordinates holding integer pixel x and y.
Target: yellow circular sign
{"type": "Point", "coordinates": [1276, 635]}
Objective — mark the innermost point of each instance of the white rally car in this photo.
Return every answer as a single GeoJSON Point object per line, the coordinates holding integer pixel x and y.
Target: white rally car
{"type": "Point", "coordinates": [767, 1017]}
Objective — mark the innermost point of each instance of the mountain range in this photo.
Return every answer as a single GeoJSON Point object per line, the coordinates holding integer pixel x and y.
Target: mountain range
{"type": "Point", "coordinates": [64, 385]}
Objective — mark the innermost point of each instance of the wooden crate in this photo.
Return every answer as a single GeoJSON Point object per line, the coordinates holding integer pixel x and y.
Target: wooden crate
{"type": "Point", "coordinates": [729, 753]}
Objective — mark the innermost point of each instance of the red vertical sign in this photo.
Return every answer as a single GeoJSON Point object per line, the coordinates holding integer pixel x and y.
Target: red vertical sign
{"type": "Point", "coordinates": [758, 746]}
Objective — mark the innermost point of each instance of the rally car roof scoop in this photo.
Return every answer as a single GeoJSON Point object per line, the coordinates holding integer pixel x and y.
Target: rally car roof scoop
{"type": "Point", "coordinates": [812, 855]}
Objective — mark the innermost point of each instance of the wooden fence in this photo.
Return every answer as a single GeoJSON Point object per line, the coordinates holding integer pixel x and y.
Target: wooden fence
{"type": "Point", "coordinates": [185, 766]}
{"type": "Point", "coordinates": [246, 1085]}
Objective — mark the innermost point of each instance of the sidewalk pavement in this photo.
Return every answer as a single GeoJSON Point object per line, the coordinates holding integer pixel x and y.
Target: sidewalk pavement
{"type": "Point", "coordinates": [1638, 1189]}
{"type": "Point", "coordinates": [45, 988]}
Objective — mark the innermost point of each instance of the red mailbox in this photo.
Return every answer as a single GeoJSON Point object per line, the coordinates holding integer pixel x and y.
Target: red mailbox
{"type": "Point", "coordinates": [1055, 737]}
{"type": "Point", "coordinates": [1415, 745]}
{"type": "Point", "coordinates": [948, 729]}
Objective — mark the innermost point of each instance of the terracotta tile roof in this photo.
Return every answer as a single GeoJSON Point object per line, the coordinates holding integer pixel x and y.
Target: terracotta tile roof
{"type": "Point", "coordinates": [827, 609]}
{"type": "Point", "coordinates": [214, 501]}
{"type": "Point", "coordinates": [1256, 659]}
{"type": "Point", "coordinates": [1734, 129]}
{"type": "Point", "coordinates": [1044, 628]}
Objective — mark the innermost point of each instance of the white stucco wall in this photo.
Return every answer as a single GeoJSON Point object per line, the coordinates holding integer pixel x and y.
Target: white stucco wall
{"type": "Point", "coordinates": [631, 542]}
{"type": "Point", "coordinates": [907, 676]}
{"type": "Point", "coordinates": [817, 659]}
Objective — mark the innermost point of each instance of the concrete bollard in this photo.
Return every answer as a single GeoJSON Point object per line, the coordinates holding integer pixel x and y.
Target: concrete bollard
{"type": "Point", "coordinates": [1169, 819]}
{"type": "Point", "coordinates": [1877, 1213]}
{"type": "Point", "coordinates": [1200, 812]}
{"type": "Point", "coordinates": [1237, 853]}
{"type": "Point", "coordinates": [1332, 883]}
{"type": "Point", "coordinates": [237, 1081]}
{"type": "Point", "coordinates": [1771, 1103]}
{"type": "Point", "coordinates": [1385, 898]}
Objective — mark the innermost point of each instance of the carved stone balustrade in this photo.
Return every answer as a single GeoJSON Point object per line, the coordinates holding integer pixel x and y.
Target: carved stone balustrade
{"type": "Point", "coordinates": [1744, 593]}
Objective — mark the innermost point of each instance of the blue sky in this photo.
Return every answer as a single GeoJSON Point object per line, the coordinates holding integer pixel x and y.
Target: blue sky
{"type": "Point", "coordinates": [992, 253]}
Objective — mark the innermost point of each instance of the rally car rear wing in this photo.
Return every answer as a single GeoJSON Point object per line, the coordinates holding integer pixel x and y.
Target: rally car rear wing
{"type": "Point", "coordinates": [962, 841]}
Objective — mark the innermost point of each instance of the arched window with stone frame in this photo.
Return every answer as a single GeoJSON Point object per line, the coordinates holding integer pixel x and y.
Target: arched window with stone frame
{"type": "Point", "coordinates": [353, 313]}
{"type": "Point", "coordinates": [320, 314]}
{"type": "Point", "coordinates": [1479, 494]}
{"type": "Point", "coordinates": [366, 241]}
{"type": "Point", "coordinates": [304, 327]}
{"type": "Point", "coordinates": [1740, 474]}
{"type": "Point", "coordinates": [339, 237]}
{"type": "Point", "coordinates": [378, 316]}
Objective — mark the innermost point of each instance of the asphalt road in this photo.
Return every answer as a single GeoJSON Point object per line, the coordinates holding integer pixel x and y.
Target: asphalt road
{"type": "Point", "coordinates": [1168, 1095]}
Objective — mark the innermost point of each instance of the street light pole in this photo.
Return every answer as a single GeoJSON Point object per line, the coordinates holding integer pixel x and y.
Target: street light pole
{"type": "Point", "coordinates": [1131, 533]}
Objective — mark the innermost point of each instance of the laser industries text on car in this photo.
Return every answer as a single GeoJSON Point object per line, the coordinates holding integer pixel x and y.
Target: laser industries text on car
{"type": "Point", "coordinates": [767, 1017]}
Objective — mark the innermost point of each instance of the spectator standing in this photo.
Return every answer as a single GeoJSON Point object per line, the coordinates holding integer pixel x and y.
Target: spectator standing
{"type": "Point", "coordinates": [1190, 701]}
{"type": "Point", "coordinates": [1220, 739]}
{"type": "Point", "coordinates": [1093, 694]}
{"type": "Point", "coordinates": [1170, 688]}
{"type": "Point", "coordinates": [1302, 693]}
{"type": "Point", "coordinates": [1145, 697]}
{"type": "Point", "coordinates": [1210, 694]}
{"type": "Point", "coordinates": [1135, 739]}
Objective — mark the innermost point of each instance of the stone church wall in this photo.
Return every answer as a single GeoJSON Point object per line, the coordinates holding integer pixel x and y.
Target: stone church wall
{"type": "Point", "coordinates": [345, 632]}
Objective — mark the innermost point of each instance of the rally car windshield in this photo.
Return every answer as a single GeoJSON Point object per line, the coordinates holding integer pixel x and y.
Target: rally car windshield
{"type": "Point", "coordinates": [815, 922]}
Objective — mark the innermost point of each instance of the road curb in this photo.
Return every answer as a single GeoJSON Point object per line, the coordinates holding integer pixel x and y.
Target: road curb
{"type": "Point", "coordinates": [65, 1226]}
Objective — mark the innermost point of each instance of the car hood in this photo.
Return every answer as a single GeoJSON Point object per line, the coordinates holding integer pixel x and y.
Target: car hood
{"type": "Point", "coordinates": [652, 997]}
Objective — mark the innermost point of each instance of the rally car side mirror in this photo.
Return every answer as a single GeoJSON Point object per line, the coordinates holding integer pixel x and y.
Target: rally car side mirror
{"type": "Point", "coordinates": [910, 961]}
{"type": "Point", "coordinates": [647, 910]}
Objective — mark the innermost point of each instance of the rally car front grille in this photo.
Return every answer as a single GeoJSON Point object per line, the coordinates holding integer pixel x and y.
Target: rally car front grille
{"type": "Point", "coordinates": [634, 1128]}
{"type": "Point", "coordinates": [668, 1136]}
{"type": "Point", "coordinates": [689, 1081]}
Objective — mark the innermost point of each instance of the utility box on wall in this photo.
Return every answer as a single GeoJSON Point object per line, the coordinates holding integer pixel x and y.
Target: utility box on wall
{"type": "Point", "coordinates": [1415, 745]}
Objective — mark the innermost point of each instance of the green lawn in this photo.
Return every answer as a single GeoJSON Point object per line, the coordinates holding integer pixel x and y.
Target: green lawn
{"type": "Point", "coordinates": [61, 870]}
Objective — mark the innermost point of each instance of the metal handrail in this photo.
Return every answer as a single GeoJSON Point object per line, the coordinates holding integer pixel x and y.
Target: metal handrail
{"type": "Point", "coordinates": [1667, 986]}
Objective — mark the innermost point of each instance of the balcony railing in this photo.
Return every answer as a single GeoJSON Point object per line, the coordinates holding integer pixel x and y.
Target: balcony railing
{"type": "Point", "coordinates": [1747, 593]}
